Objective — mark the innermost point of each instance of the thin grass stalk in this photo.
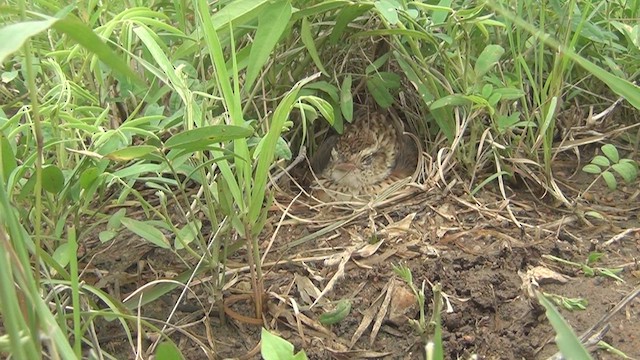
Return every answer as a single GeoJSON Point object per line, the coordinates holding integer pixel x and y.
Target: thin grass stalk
{"type": "Point", "coordinates": [243, 172]}
{"type": "Point", "coordinates": [22, 345]}
{"type": "Point", "coordinates": [243, 167]}
{"type": "Point", "coordinates": [28, 308]}
{"type": "Point", "coordinates": [75, 290]}
{"type": "Point", "coordinates": [15, 241]}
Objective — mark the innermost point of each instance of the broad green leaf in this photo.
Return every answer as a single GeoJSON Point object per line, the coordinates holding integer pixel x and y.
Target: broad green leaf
{"type": "Point", "coordinates": [622, 87]}
{"type": "Point", "coordinates": [338, 122]}
{"type": "Point", "coordinates": [341, 311]}
{"type": "Point", "coordinates": [478, 100]}
{"type": "Point", "coordinates": [271, 24]}
{"type": "Point", "coordinates": [591, 169]}
{"type": "Point", "coordinates": [8, 76]}
{"type": "Point", "coordinates": [592, 31]}
{"type": "Point", "coordinates": [469, 14]}
{"type": "Point", "coordinates": [52, 179]}
{"type": "Point", "coordinates": [88, 177]}
{"type": "Point", "coordinates": [440, 11]}
{"type": "Point", "coordinates": [106, 235]}
{"type": "Point", "coordinates": [323, 105]}
{"type": "Point", "coordinates": [167, 350]}
{"type": "Point", "coordinates": [388, 9]}
{"type": "Point", "coordinates": [13, 36]}
{"type": "Point", "coordinates": [346, 99]}
{"type": "Point", "coordinates": [208, 135]}
{"type": "Point", "coordinates": [187, 234]}
{"type": "Point", "coordinates": [488, 59]}
{"type": "Point", "coordinates": [487, 90]}
{"type": "Point", "coordinates": [131, 152]}
{"type": "Point", "coordinates": [380, 92]}
{"type": "Point", "coordinates": [276, 348]}
{"type": "Point", "coordinates": [61, 254]}
{"type": "Point", "coordinates": [137, 170]}
{"type": "Point", "coordinates": [147, 232]}
{"type": "Point", "coordinates": [612, 273]}
{"type": "Point", "coordinates": [282, 149]}
{"type": "Point", "coordinates": [611, 152]}
{"type": "Point", "coordinates": [326, 87]}
{"type": "Point", "coordinates": [628, 172]}
{"type": "Point", "coordinates": [345, 16]}
{"type": "Point", "coordinates": [494, 99]}
{"type": "Point", "coordinates": [450, 100]}
{"type": "Point", "coordinates": [609, 179]}
{"type": "Point", "coordinates": [376, 65]}
{"type": "Point", "coordinates": [115, 220]}
{"type": "Point", "coordinates": [391, 80]}
{"type": "Point", "coordinates": [309, 43]}
{"type": "Point", "coordinates": [601, 161]}
{"type": "Point", "coordinates": [505, 122]}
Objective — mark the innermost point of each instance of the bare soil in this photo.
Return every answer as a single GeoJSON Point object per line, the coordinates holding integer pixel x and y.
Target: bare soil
{"type": "Point", "coordinates": [472, 247]}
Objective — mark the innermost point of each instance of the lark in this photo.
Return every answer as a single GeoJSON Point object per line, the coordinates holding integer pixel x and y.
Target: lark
{"type": "Point", "coordinates": [371, 155]}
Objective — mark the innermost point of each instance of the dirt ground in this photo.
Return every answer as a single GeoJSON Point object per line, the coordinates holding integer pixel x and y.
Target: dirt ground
{"type": "Point", "coordinates": [472, 247]}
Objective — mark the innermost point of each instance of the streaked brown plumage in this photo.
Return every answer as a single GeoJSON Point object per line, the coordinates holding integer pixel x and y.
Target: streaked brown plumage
{"type": "Point", "coordinates": [371, 155]}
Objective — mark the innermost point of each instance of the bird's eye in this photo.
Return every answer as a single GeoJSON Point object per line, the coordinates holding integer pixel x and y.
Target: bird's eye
{"type": "Point", "coordinates": [367, 160]}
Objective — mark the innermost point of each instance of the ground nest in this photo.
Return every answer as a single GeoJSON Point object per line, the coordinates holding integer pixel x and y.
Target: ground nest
{"type": "Point", "coordinates": [317, 255]}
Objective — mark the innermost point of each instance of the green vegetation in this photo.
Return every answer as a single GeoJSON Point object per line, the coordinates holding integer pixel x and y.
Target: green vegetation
{"type": "Point", "coordinates": [186, 109]}
{"type": "Point", "coordinates": [587, 268]}
{"type": "Point", "coordinates": [276, 348]}
{"type": "Point", "coordinates": [602, 165]}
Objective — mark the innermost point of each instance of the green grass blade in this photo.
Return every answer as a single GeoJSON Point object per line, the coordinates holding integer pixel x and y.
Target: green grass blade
{"type": "Point", "coordinates": [620, 86]}
{"type": "Point", "coordinates": [566, 339]}
{"type": "Point", "coordinates": [265, 159]}
{"type": "Point", "coordinates": [85, 36]}
{"type": "Point", "coordinates": [271, 25]}
{"type": "Point", "coordinates": [307, 40]}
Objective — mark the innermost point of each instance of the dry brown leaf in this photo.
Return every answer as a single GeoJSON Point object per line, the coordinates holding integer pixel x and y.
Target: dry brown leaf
{"type": "Point", "coordinates": [543, 275]}
{"type": "Point", "coordinates": [368, 250]}
{"type": "Point", "coordinates": [403, 305]}
{"type": "Point", "coordinates": [339, 274]}
{"type": "Point", "coordinates": [399, 228]}
{"type": "Point", "coordinates": [367, 317]}
{"type": "Point", "coordinates": [383, 311]}
{"type": "Point", "coordinates": [308, 291]}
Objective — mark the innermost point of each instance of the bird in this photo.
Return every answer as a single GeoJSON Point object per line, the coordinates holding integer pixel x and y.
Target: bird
{"type": "Point", "coordinates": [372, 154]}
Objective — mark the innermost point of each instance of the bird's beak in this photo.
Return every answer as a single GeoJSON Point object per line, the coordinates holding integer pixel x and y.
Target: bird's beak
{"type": "Point", "coordinates": [345, 167]}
